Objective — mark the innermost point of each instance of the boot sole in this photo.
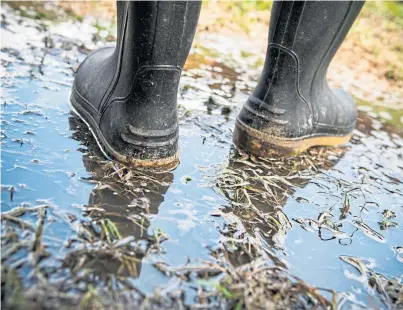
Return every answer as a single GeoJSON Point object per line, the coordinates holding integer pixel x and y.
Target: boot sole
{"type": "Point", "coordinates": [165, 164]}
{"type": "Point", "coordinates": [263, 145]}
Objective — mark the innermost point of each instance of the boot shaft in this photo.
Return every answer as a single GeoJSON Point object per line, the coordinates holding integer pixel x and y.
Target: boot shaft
{"type": "Point", "coordinates": [154, 39]}
{"type": "Point", "coordinates": [292, 108]}
{"type": "Point", "coordinates": [157, 32]}
{"type": "Point", "coordinates": [304, 36]}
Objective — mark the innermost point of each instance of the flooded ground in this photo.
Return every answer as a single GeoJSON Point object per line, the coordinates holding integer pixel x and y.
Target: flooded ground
{"type": "Point", "coordinates": [223, 230]}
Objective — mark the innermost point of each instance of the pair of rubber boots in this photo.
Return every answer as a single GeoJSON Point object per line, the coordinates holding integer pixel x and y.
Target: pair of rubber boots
{"type": "Point", "coordinates": [127, 95]}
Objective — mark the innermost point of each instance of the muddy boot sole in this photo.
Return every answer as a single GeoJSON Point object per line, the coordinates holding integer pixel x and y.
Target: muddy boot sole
{"type": "Point", "coordinates": [263, 145]}
{"type": "Point", "coordinates": [163, 164]}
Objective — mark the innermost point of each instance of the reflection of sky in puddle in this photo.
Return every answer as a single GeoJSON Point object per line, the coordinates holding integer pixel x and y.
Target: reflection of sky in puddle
{"type": "Point", "coordinates": [48, 166]}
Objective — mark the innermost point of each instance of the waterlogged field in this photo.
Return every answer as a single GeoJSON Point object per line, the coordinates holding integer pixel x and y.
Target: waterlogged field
{"type": "Point", "coordinates": [224, 230]}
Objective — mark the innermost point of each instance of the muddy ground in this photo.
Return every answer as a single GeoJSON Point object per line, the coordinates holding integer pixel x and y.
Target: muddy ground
{"type": "Point", "coordinates": [224, 230]}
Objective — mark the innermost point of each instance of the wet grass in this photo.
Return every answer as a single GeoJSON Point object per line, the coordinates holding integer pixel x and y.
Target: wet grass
{"type": "Point", "coordinates": [99, 261]}
{"type": "Point", "coordinates": [391, 291]}
{"type": "Point", "coordinates": [81, 283]}
{"type": "Point", "coordinates": [248, 181]}
{"type": "Point", "coordinates": [260, 209]}
{"type": "Point", "coordinates": [95, 270]}
{"type": "Point", "coordinates": [97, 257]}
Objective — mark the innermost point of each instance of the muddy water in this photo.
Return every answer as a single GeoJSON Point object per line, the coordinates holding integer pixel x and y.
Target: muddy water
{"type": "Point", "coordinates": [351, 207]}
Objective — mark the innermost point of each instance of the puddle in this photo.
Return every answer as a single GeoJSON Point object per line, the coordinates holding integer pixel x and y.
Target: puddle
{"type": "Point", "coordinates": [309, 214]}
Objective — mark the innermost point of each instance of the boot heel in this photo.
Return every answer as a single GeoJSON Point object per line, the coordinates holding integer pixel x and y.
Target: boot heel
{"type": "Point", "coordinates": [263, 145]}
{"type": "Point", "coordinates": [144, 122]}
{"type": "Point", "coordinates": [151, 109]}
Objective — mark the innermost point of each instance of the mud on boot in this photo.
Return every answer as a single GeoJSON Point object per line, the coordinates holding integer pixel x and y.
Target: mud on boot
{"type": "Point", "coordinates": [127, 95]}
{"type": "Point", "coordinates": [292, 108]}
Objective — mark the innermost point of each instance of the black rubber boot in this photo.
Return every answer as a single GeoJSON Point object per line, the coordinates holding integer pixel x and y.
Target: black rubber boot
{"type": "Point", "coordinates": [292, 108]}
{"type": "Point", "coordinates": [127, 95]}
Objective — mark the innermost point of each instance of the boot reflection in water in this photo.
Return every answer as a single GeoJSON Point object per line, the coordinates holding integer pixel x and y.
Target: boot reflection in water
{"type": "Point", "coordinates": [127, 95]}
{"type": "Point", "coordinates": [124, 203]}
{"type": "Point", "coordinates": [259, 206]}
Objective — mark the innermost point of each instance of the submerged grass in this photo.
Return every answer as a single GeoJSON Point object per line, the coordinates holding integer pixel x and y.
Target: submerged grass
{"type": "Point", "coordinates": [261, 286]}
{"type": "Point", "coordinates": [258, 188]}
{"type": "Point", "coordinates": [391, 290]}
{"type": "Point", "coordinates": [99, 262]}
